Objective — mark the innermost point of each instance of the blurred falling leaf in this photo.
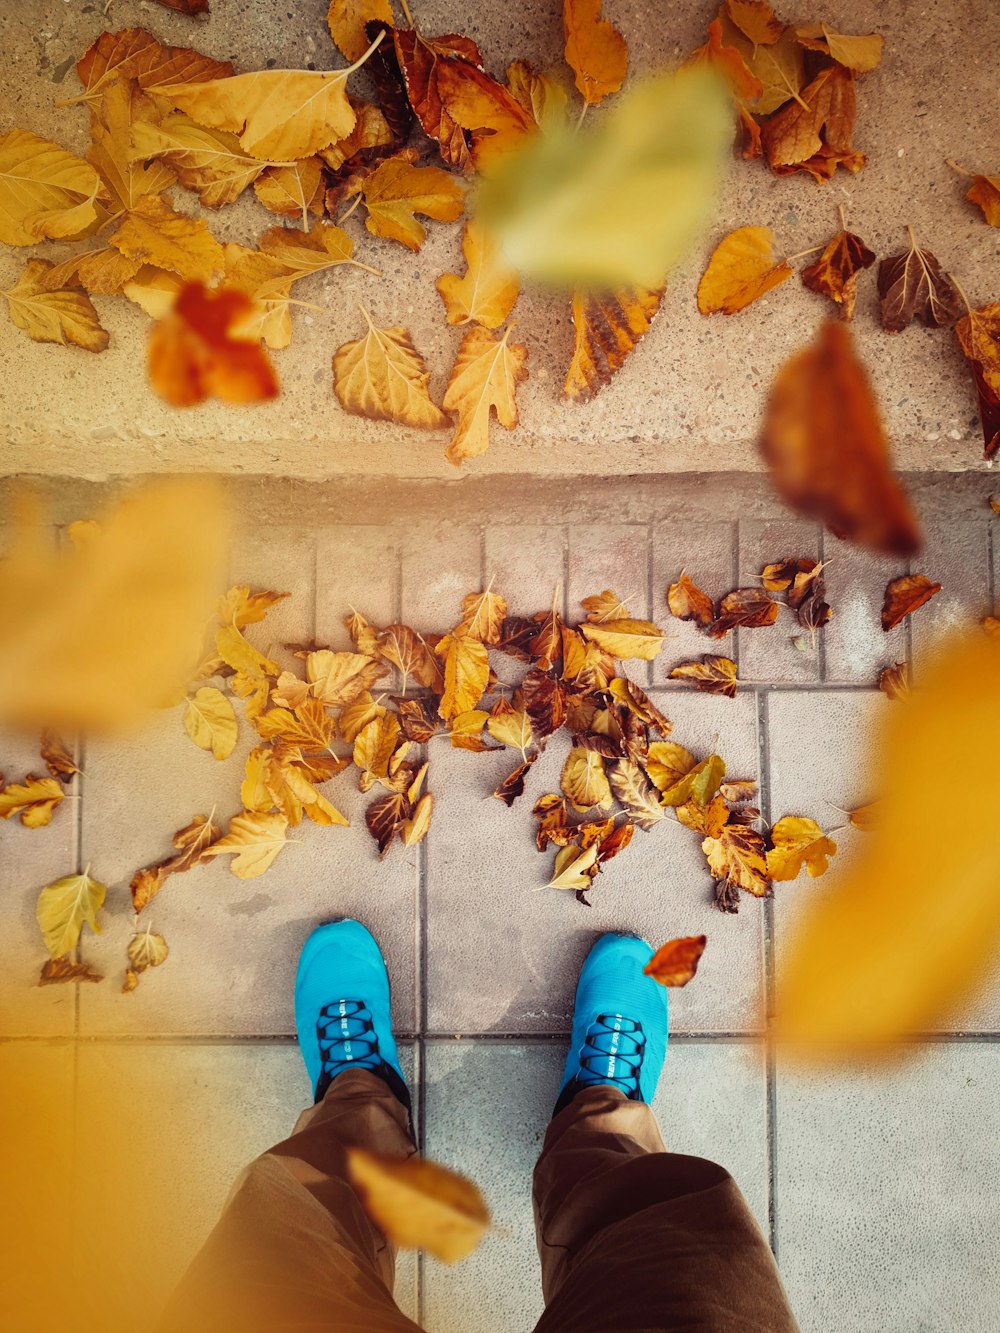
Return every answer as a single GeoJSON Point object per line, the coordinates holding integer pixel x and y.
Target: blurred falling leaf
{"type": "Point", "coordinates": [64, 906]}
{"type": "Point", "coordinates": [194, 353]}
{"type": "Point", "coordinates": [420, 1205]}
{"type": "Point", "coordinates": [96, 635]}
{"type": "Point", "coordinates": [676, 962]}
{"type": "Point", "coordinates": [901, 940]}
{"type": "Point", "coordinates": [618, 204]}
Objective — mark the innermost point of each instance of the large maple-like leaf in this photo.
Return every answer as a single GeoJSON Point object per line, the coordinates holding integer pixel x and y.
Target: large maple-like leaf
{"type": "Point", "coordinates": [194, 355]}
{"type": "Point", "coordinates": [383, 376]}
{"type": "Point", "coordinates": [824, 442]}
{"type": "Point", "coordinates": [912, 285]}
{"type": "Point", "coordinates": [595, 50]}
{"type": "Point", "coordinates": [742, 268]}
{"type": "Point", "coordinates": [484, 379]}
{"type": "Point", "coordinates": [486, 293]}
{"type": "Point", "coordinates": [61, 316]}
{"type": "Point", "coordinates": [277, 113]}
{"type": "Point", "coordinates": [606, 326]}
{"type": "Point", "coordinates": [45, 192]}
{"type": "Point", "coordinates": [254, 840]}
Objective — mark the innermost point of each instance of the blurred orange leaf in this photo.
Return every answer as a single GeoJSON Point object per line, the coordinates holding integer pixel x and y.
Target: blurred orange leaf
{"type": "Point", "coordinates": [193, 354]}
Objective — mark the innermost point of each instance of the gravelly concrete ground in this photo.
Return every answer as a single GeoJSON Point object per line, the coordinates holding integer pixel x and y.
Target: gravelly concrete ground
{"type": "Point", "coordinates": [879, 1194]}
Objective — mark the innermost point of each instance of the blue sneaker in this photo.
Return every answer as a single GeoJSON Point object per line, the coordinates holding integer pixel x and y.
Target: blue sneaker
{"type": "Point", "coordinates": [619, 1023]}
{"type": "Point", "coordinates": [342, 1012]}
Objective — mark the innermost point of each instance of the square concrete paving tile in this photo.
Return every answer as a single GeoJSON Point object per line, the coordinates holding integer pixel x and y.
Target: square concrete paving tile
{"type": "Point", "coordinates": [30, 859]}
{"type": "Point", "coordinates": [504, 952]}
{"type": "Point", "coordinates": [770, 653]}
{"type": "Point", "coordinates": [234, 943]}
{"type": "Point", "coordinates": [824, 759]}
{"type": "Point", "coordinates": [169, 1128]}
{"type": "Point", "coordinates": [355, 567]}
{"type": "Point", "coordinates": [36, 1167]}
{"type": "Point", "coordinates": [706, 552]}
{"type": "Point", "coordinates": [527, 564]}
{"type": "Point", "coordinates": [440, 566]}
{"type": "Point", "coordinates": [282, 560]}
{"type": "Point", "coordinates": [957, 556]}
{"type": "Point", "coordinates": [613, 556]}
{"type": "Point", "coordinates": [487, 1108]}
{"type": "Point", "coordinates": [888, 1194]}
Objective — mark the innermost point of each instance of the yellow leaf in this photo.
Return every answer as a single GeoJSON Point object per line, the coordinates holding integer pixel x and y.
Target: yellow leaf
{"type": "Point", "coordinates": [242, 656]}
{"type": "Point", "coordinates": [574, 868]}
{"type": "Point", "coordinates": [857, 53]}
{"type": "Point", "coordinates": [239, 606]}
{"type": "Point", "coordinates": [146, 950]}
{"type": "Point", "coordinates": [154, 290]}
{"type": "Point", "coordinates": [269, 285]}
{"type": "Point", "coordinates": [210, 722]}
{"type": "Point", "coordinates": [417, 1204]}
{"type": "Point", "coordinates": [254, 791]}
{"type": "Point", "coordinates": [346, 20]}
{"type": "Point", "coordinates": [742, 268]}
{"type": "Point", "coordinates": [595, 50]}
{"type": "Point", "coordinates": [294, 191]}
{"type": "Point", "coordinates": [540, 94]}
{"type": "Point", "coordinates": [466, 674]}
{"type": "Point", "coordinates": [63, 908]}
{"type": "Point", "coordinates": [206, 160]}
{"type": "Point", "coordinates": [396, 190]}
{"type": "Point", "coordinates": [301, 792]}
{"type": "Point", "coordinates": [121, 109]}
{"type": "Point", "coordinates": [102, 269]}
{"type": "Point", "coordinates": [95, 635]}
{"type": "Point", "coordinates": [584, 780]}
{"type": "Point", "coordinates": [510, 725]}
{"type": "Point", "coordinates": [338, 678]}
{"type": "Point", "coordinates": [667, 762]}
{"type": "Point", "coordinates": [415, 828]}
{"type": "Point", "coordinates": [33, 800]}
{"type": "Point", "coordinates": [384, 377]}
{"type": "Point", "coordinates": [154, 234]}
{"type": "Point", "coordinates": [798, 842]}
{"type": "Point", "coordinates": [626, 638]}
{"type": "Point", "coordinates": [301, 253]}
{"type": "Point", "coordinates": [467, 730]}
{"type": "Point", "coordinates": [44, 191]}
{"type": "Point", "coordinates": [487, 292]}
{"type": "Point", "coordinates": [371, 130]}
{"type": "Point", "coordinates": [698, 785]}
{"type": "Point", "coordinates": [277, 113]}
{"type": "Point", "coordinates": [356, 716]}
{"type": "Point", "coordinates": [375, 745]}
{"type": "Point", "coordinates": [736, 857]}
{"type": "Point", "coordinates": [53, 316]}
{"type": "Point", "coordinates": [135, 54]}
{"type": "Point", "coordinates": [485, 376]}
{"type": "Point", "coordinates": [255, 839]}
{"type": "Point", "coordinates": [483, 615]}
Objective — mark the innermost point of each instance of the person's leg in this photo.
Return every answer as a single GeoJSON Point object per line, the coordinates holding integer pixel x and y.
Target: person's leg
{"type": "Point", "coordinates": [630, 1236]}
{"type": "Point", "coordinates": [294, 1248]}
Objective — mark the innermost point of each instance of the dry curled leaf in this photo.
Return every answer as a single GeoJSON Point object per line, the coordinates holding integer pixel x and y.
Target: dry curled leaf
{"type": "Point", "coordinates": [742, 268]}
{"type": "Point", "coordinates": [57, 755]}
{"type": "Point", "coordinates": [595, 50]}
{"type": "Point", "coordinates": [490, 287]}
{"type": "Point", "coordinates": [904, 595]}
{"type": "Point", "coordinates": [607, 326]}
{"type": "Point", "coordinates": [835, 272]}
{"type": "Point", "coordinates": [824, 442]}
{"type": "Point", "coordinates": [62, 316]}
{"type": "Point", "coordinates": [736, 859]}
{"type": "Point", "coordinates": [418, 1204]}
{"type": "Point", "coordinates": [749, 607]}
{"type": "Point", "coordinates": [676, 962]}
{"type": "Point", "coordinates": [384, 377]}
{"type": "Point", "coordinates": [57, 970]}
{"type": "Point", "coordinates": [64, 907]}
{"type": "Point", "coordinates": [32, 800]}
{"type": "Point", "coordinates": [712, 675]}
{"type": "Point", "coordinates": [194, 353]}
{"type": "Point", "coordinates": [575, 868]}
{"type": "Point", "coordinates": [513, 784]}
{"type": "Point", "coordinates": [146, 949]}
{"type": "Point", "coordinates": [894, 681]}
{"type": "Point", "coordinates": [484, 379]}
{"type": "Point", "coordinates": [756, 20]}
{"type": "Point", "coordinates": [913, 285]}
{"type": "Point", "coordinates": [687, 602]}
{"type": "Point", "coordinates": [813, 132]}
{"type": "Point", "coordinates": [294, 191]}
{"type": "Point", "coordinates": [798, 842]}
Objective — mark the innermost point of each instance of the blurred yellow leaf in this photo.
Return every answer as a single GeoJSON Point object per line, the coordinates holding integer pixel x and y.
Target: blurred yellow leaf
{"type": "Point", "coordinates": [63, 908]}
{"type": "Point", "coordinates": [906, 936]}
{"type": "Point", "coordinates": [97, 634]}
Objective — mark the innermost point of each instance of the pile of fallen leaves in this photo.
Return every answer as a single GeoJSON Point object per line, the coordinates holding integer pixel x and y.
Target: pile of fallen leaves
{"type": "Point", "coordinates": [377, 707]}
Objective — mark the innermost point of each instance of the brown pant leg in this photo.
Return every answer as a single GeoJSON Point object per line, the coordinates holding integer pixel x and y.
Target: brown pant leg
{"type": "Point", "coordinates": [632, 1237]}
{"type": "Point", "coordinates": [294, 1248]}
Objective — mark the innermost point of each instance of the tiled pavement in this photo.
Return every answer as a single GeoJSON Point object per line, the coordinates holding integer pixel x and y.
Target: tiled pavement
{"type": "Point", "coordinates": [881, 1194]}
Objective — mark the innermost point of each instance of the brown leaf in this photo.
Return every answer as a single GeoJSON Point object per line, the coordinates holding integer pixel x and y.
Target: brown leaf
{"type": "Point", "coordinates": [419, 58]}
{"type": "Point", "coordinates": [513, 784]}
{"type": "Point", "coordinates": [814, 132]}
{"type": "Point", "coordinates": [638, 702]}
{"type": "Point", "coordinates": [827, 450]}
{"type": "Point", "coordinates": [636, 793]}
{"type": "Point", "coordinates": [904, 595]}
{"type": "Point", "coordinates": [687, 602]}
{"type": "Point", "coordinates": [835, 272]}
{"type": "Point", "coordinates": [742, 268]}
{"type": "Point", "coordinates": [750, 607]}
{"type": "Point", "coordinates": [419, 719]}
{"type": "Point", "coordinates": [544, 702]}
{"type": "Point", "coordinates": [57, 970]}
{"type": "Point", "coordinates": [193, 354]}
{"type": "Point", "coordinates": [405, 649]}
{"type": "Point", "coordinates": [385, 819]}
{"type": "Point", "coordinates": [58, 759]}
{"type": "Point", "coordinates": [712, 675]}
{"type": "Point", "coordinates": [595, 50]}
{"type": "Point", "coordinates": [614, 842]}
{"type": "Point", "coordinates": [135, 54]}
{"type": "Point", "coordinates": [189, 7]}
{"type": "Point", "coordinates": [912, 285]}
{"type": "Point", "coordinates": [737, 859]}
{"type": "Point", "coordinates": [385, 73]}
{"type": "Point", "coordinates": [676, 962]}
{"type": "Point", "coordinates": [607, 326]}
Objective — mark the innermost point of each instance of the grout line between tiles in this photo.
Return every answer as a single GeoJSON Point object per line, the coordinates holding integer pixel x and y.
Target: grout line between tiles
{"type": "Point", "coordinates": [770, 1114]}
{"type": "Point", "coordinates": [954, 1038]}
{"type": "Point", "coordinates": [820, 636]}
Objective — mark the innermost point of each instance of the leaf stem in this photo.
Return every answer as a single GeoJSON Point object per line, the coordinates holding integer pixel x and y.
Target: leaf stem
{"type": "Point", "coordinates": [344, 216]}
{"type": "Point", "coordinates": [842, 214]}
{"type": "Point", "coordinates": [802, 254]}
{"type": "Point", "coordinates": [406, 13]}
{"type": "Point", "coordinates": [962, 171]}
{"type": "Point", "coordinates": [961, 293]}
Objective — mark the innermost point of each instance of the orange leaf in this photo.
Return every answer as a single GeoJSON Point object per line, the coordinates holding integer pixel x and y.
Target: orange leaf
{"type": "Point", "coordinates": [742, 268]}
{"type": "Point", "coordinates": [675, 963]}
{"type": "Point", "coordinates": [729, 63]}
{"type": "Point", "coordinates": [985, 191]}
{"type": "Point", "coordinates": [712, 675]}
{"type": "Point", "coordinates": [813, 133]}
{"type": "Point", "coordinates": [194, 356]}
{"type": "Point", "coordinates": [756, 20]}
{"type": "Point", "coordinates": [595, 50]}
{"type": "Point", "coordinates": [835, 273]}
{"type": "Point", "coordinates": [607, 326]}
{"type": "Point", "coordinates": [904, 595]}
{"type": "Point", "coordinates": [825, 445]}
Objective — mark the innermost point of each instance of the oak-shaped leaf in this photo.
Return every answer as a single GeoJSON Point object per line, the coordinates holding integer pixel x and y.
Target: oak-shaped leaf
{"type": "Point", "coordinates": [676, 962]}
{"type": "Point", "coordinates": [712, 675]}
{"type": "Point", "coordinates": [254, 840]}
{"type": "Point", "coordinates": [825, 444]}
{"type": "Point", "coordinates": [484, 379]}
{"type": "Point", "coordinates": [904, 595]}
{"type": "Point", "coordinates": [835, 272]}
{"type": "Point", "coordinates": [913, 285]}
{"type": "Point", "coordinates": [798, 842]}
{"type": "Point", "coordinates": [396, 191]}
{"type": "Point", "coordinates": [32, 800]}
{"type": "Point", "coordinates": [742, 268]}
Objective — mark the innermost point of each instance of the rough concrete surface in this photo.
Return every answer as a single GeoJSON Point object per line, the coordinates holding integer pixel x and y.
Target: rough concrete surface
{"type": "Point", "coordinates": [690, 397]}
